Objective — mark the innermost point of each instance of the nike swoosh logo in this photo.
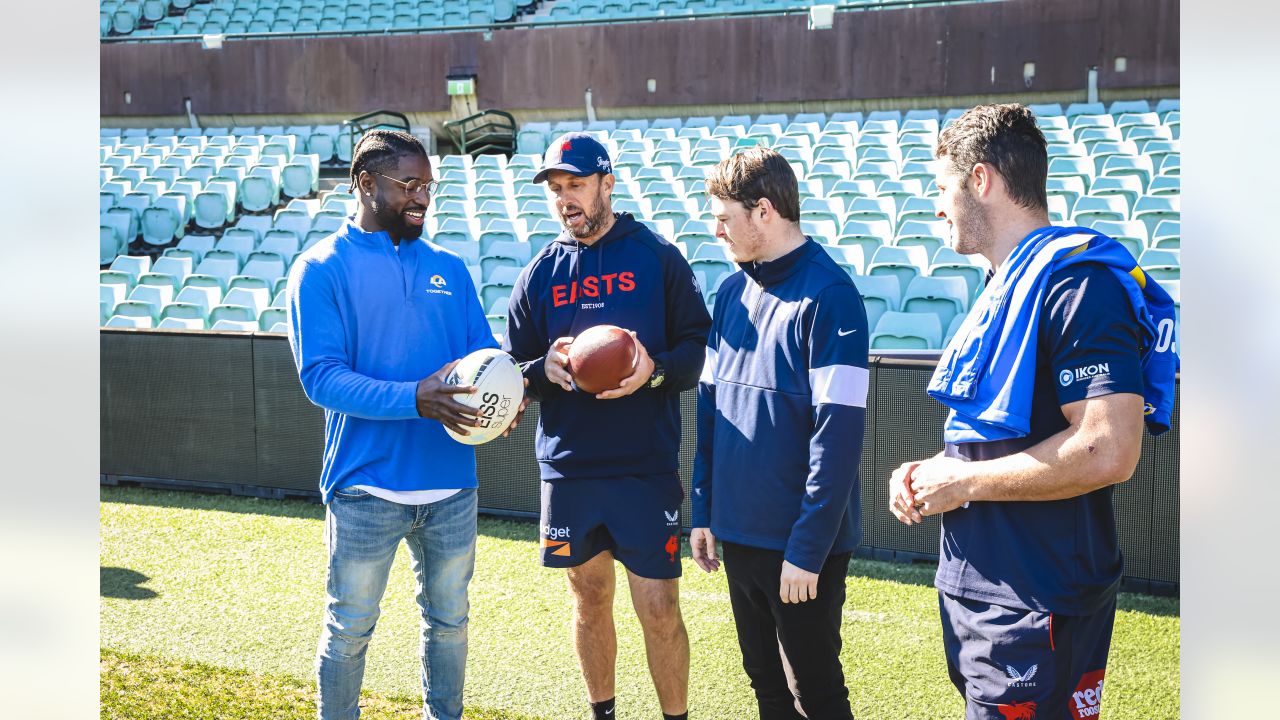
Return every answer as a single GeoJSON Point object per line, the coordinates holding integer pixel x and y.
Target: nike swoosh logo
{"type": "Point", "coordinates": [608, 712]}
{"type": "Point", "coordinates": [842, 333]}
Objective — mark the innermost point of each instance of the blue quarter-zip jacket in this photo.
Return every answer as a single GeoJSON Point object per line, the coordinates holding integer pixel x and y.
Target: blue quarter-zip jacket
{"type": "Point", "coordinates": [781, 407]}
{"type": "Point", "coordinates": [636, 280]}
{"type": "Point", "coordinates": [366, 323]}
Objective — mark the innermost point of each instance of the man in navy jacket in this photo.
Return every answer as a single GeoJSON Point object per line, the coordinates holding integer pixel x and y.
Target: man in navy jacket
{"type": "Point", "coordinates": [781, 406]}
{"type": "Point", "coordinates": [609, 461]}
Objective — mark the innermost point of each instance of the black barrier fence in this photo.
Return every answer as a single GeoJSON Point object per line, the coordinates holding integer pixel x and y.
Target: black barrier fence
{"type": "Point", "coordinates": [225, 411]}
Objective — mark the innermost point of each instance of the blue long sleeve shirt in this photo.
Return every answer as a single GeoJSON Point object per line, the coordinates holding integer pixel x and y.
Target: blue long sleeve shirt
{"type": "Point", "coordinates": [781, 409]}
{"type": "Point", "coordinates": [366, 323]}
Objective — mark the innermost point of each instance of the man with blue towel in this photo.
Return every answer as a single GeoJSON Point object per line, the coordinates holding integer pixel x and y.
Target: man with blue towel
{"type": "Point", "coordinates": [1050, 379]}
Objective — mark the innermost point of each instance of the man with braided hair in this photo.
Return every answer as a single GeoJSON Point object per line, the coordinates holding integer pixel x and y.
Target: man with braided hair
{"type": "Point", "coordinates": [377, 319]}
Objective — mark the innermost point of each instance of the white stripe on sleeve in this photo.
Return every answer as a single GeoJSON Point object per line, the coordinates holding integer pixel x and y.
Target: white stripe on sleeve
{"type": "Point", "coordinates": [709, 367]}
{"type": "Point", "coordinates": [839, 384]}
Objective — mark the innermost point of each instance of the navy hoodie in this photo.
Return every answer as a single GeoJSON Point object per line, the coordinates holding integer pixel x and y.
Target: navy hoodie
{"type": "Point", "coordinates": [781, 407]}
{"type": "Point", "coordinates": [636, 280]}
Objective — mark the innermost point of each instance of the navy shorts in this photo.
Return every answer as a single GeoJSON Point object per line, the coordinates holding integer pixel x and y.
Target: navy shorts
{"type": "Point", "coordinates": [1014, 664]}
{"type": "Point", "coordinates": [636, 518]}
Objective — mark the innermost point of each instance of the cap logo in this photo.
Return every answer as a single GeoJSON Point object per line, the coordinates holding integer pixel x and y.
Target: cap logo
{"type": "Point", "coordinates": [604, 164]}
{"type": "Point", "coordinates": [567, 146]}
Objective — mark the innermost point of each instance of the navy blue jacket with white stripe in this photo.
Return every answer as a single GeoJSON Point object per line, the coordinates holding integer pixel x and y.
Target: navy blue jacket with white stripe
{"type": "Point", "coordinates": [781, 407]}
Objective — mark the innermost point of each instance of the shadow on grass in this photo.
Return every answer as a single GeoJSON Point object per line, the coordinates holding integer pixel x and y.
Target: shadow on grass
{"type": "Point", "coordinates": [495, 527]}
{"type": "Point", "coordinates": [144, 687]}
{"type": "Point", "coordinates": [1158, 605]}
{"type": "Point", "coordinates": [114, 582]}
{"type": "Point", "coordinates": [907, 573]}
{"type": "Point", "coordinates": [916, 573]}
{"type": "Point", "coordinates": [221, 502]}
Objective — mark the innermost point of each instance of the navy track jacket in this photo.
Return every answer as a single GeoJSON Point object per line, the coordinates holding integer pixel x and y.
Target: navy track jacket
{"type": "Point", "coordinates": [781, 407]}
{"type": "Point", "coordinates": [636, 280]}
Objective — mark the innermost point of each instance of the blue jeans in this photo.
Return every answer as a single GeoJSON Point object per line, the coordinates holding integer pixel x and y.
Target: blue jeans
{"type": "Point", "coordinates": [362, 533]}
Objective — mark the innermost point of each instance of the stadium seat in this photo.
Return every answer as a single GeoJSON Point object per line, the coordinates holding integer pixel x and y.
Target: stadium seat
{"type": "Point", "coordinates": [110, 245]}
{"type": "Point", "coordinates": [133, 266]}
{"type": "Point", "coordinates": [1119, 107]}
{"type": "Point", "coordinates": [848, 257]}
{"type": "Point", "coordinates": [217, 264]}
{"type": "Point", "coordinates": [712, 270]}
{"type": "Point", "coordinates": [239, 241]}
{"type": "Point", "coordinates": [880, 294]}
{"type": "Point", "coordinates": [906, 331]}
{"type": "Point", "coordinates": [1127, 186]}
{"type": "Point", "coordinates": [1068, 167]}
{"type": "Point", "coordinates": [1058, 210]}
{"type": "Point", "coordinates": [164, 221]}
{"type": "Point", "coordinates": [1139, 166]}
{"type": "Point", "coordinates": [946, 262]}
{"type": "Point", "coordinates": [183, 315]}
{"type": "Point", "coordinates": [1090, 209]}
{"type": "Point", "coordinates": [128, 321]}
{"type": "Point", "coordinates": [930, 235]}
{"type": "Point", "coordinates": [903, 263]}
{"type": "Point", "coordinates": [870, 236]}
{"type": "Point", "coordinates": [505, 253]}
{"type": "Point", "coordinates": [123, 280]}
{"type": "Point", "coordinates": [1167, 235]}
{"type": "Point", "coordinates": [123, 221]}
{"type": "Point", "coordinates": [284, 243]}
{"type": "Point", "coordinates": [260, 189]}
{"type": "Point", "coordinates": [1152, 209]}
{"type": "Point", "coordinates": [945, 297]}
{"type": "Point", "coordinates": [872, 210]}
{"type": "Point", "coordinates": [1165, 185]}
{"type": "Point", "coordinates": [952, 329]}
{"type": "Point", "coordinates": [297, 179]}
{"type": "Point", "coordinates": [918, 209]}
{"type": "Point", "coordinates": [145, 301]}
{"type": "Point", "coordinates": [1162, 264]}
{"type": "Point", "coordinates": [205, 298]}
{"type": "Point", "coordinates": [1132, 234]}
{"type": "Point", "coordinates": [273, 320]}
{"type": "Point", "coordinates": [268, 266]}
{"type": "Point", "coordinates": [1043, 110]}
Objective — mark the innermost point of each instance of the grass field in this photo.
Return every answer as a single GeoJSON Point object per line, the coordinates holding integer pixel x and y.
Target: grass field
{"type": "Point", "coordinates": [211, 608]}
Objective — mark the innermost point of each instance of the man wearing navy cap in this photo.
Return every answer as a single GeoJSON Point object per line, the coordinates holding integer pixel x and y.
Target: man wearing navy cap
{"type": "Point", "coordinates": [609, 462]}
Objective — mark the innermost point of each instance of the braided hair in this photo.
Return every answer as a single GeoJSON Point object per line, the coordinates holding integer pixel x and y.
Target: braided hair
{"type": "Point", "coordinates": [380, 151]}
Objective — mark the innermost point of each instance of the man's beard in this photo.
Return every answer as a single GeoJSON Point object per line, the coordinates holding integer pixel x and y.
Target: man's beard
{"type": "Point", "coordinates": [593, 221]}
{"type": "Point", "coordinates": [976, 225]}
{"type": "Point", "coordinates": [394, 222]}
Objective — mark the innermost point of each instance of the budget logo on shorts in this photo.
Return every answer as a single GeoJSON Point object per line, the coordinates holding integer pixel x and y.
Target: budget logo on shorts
{"type": "Point", "coordinates": [1086, 701]}
{"type": "Point", "coordinates": [556, 539]}
{"type": "Point", "coordinates": [1018, 711]}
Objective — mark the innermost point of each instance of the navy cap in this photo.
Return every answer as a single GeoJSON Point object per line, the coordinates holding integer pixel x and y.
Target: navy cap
{"type": "Point", "coordinates": [577, 153]}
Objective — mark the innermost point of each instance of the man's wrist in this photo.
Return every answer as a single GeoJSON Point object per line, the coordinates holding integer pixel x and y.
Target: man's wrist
{"type": "Point", "coordinates": [970, 482]}
{"type": "Point", "coordinates": [657, 374]}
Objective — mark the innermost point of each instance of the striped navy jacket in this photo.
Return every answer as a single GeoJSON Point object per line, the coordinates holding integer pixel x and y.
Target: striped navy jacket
{"type": "Point", "coordinates": [781, 405]}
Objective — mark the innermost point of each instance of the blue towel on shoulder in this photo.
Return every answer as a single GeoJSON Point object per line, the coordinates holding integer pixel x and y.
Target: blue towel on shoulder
{"type": "Point", "coordinates": [987, 373]}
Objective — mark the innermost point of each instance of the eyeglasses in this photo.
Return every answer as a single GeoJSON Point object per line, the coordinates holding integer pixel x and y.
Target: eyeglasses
{"type": "Point", "coordinates": [413, 187]}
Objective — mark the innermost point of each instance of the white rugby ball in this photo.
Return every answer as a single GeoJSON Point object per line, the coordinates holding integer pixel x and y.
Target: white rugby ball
{"type": "Point", "coordinates": [499, 391]}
